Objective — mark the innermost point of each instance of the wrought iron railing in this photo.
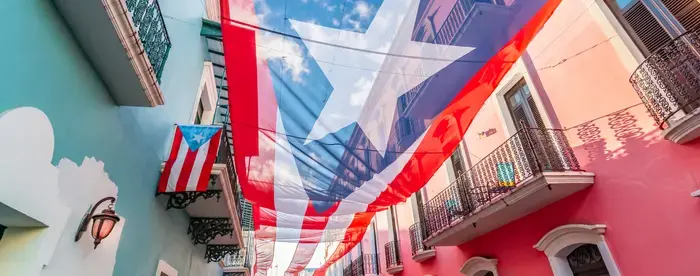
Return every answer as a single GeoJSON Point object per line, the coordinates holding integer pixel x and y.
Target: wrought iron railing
{"type": "Point", "coordinates": [236, 260]}
{"type": "Point", "coordinates": [225, 156]}
{"type": "Point", "coordinates": [371, 264]}
{"type": "Point", "coordinates": [148, 19]}
{"type": "Point", "coordinates": [668, 81]}
{"type": "Point", "coordinates": [523, 156]}
{"type": "Point", "coordinates": [392, 254]}
{"type": "Point", "coordinates": [418, 232]}
{"type": "Point", "coordinates": [454, 21]}
{"type": "Point", "coordinates": [355, 268]}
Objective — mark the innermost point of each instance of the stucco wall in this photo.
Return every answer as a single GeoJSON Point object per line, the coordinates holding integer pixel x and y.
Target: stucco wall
{"type": "Point", "coordinates": [642, 184]}
{"type": "Point", "coordinates": [43, 67]}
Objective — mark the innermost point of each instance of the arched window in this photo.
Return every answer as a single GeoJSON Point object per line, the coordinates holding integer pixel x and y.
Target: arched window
{"type": "Point", "coordinates": [578, 250]}
{"type": "Point", "coordinates": [586, 260]}
{"type": "Point", "coordinates": [480, 266]}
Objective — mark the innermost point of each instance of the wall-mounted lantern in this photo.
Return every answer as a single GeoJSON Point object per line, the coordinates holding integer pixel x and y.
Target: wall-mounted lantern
{"type": "Point", "coordinates": [102, 223]}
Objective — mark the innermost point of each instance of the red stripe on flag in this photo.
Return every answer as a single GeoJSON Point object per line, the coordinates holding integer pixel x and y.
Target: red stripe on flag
{"type": "Point", "coordinates": [163, 182]}
{"type": "Point", "coordinates": [356, 230]}
{"type": "Point", "coordinates": [214, 143]}
{"type": "Point", "coordinates": [242, 71]}
{"type": "Point", "coordinates": [186, 170]}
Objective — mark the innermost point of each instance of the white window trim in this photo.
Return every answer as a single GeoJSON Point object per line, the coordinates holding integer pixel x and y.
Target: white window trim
{"type": "Point", "coordinates": [517, 72]}
{"type": "Point", "coordinates": [479, 266]}
{"type": "Point", "coordinates": [561, 241]}
{"type": "Point", "coordinates": [207, 94]}
{"type": "Point", "coordinates": [164, 267]}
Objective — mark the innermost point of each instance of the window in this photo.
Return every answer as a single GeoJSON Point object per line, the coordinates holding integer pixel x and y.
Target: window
{"type": "Point", "coordinates": [480, 266]}
{"type": "Point", "coordinates": [522, 107]}
{"type": "Point", "coordinates": [394, 224]}
{"type": "Point", "coordinates": [578, 250]}
{"type": "Point", "coordinates": [654, 23]}
{"type": "Point", "coordinates": [199, 113]}
{"type": "Point", "coordinates": [457, 163]}
{"type": "Point", "coordinates": [587, 261]}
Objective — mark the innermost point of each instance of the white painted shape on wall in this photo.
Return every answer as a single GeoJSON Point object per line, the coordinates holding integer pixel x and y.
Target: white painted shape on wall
{"type": "Point", "coordinates": [56, 197]}
{"type": "Point", "coordinates": [80, 187]}
{"type": "Point", "coordinates": [29, 185]}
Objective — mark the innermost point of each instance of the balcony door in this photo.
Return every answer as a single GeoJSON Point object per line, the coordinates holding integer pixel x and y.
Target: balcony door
{"type": "Point", "coordinates": [522, 106]}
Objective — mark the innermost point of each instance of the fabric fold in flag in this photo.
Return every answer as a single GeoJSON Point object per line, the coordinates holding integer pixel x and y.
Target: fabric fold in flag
{"type": "Point", "coordinates": [343, 108]}
{"type": "Point", "coordinates": [191, 159]}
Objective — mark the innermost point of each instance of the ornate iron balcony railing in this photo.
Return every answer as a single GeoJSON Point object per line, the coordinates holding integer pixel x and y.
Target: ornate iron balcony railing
{"type": "Point", "coordinates": [456, 18]}
{"type": "Point", "coordinates": [668, 81]}
{"type": "Point", "coordinates": [392, 254]}
{"type": "Point", "coordinates": [225, 156]}
{"type": "Point", "coordinates": [148, 19]}
{"type": "Point", "coordinates": [523, 156]}
{"type": "Point", "coordinates": [418, 232]}
{"type": "Point", "coordinates": [371, 264]}
{"type": "Point", "coordinates": [236, 260]}
{"type": "Point", "coordinates": [356, 267]}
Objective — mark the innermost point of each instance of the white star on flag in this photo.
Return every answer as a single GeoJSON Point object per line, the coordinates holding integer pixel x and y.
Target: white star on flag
{"type": "Point", "coordinates": [369, 73]}
{"type": "Point", "coordinates": [198, 137]}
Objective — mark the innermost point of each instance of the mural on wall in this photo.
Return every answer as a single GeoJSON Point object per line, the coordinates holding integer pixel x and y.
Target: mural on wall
{"type": "Point", "coordinates": [485, 134]}
{"type": "Point", "coordinates": [42, 204]}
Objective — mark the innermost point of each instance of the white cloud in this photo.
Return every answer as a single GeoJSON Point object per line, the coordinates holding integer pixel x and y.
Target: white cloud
{"type": "Point", "coordinates": [363, 9]}
{"type": "Point", "coordinates": [288, 51]}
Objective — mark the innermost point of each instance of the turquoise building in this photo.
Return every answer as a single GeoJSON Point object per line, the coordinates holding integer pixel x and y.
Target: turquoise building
{"type": "Point", "coordinates": [90, 93]}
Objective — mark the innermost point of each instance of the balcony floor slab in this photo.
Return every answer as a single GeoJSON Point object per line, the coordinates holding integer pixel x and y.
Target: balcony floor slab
{"type": "Point", "coordinates": [528, 197]}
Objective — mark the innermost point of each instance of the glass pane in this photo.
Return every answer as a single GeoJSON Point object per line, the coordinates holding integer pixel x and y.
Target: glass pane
{"type": "Point", "coordinates": [624, 3]}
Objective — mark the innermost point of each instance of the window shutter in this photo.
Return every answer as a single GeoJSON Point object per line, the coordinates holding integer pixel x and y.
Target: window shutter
{"type": "Point", "coordinates": [535, 112]}
{"type": "Point", "coordinates": [687, 12]}
{"type": "Point", "coordinates": [518, 116]}
{"type": "Point", "coordinates": [649, 31]}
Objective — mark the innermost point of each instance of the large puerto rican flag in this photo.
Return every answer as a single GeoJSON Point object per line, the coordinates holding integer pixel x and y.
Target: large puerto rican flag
{"type": "Point", "coordinates": [341, 108]}
{"type": "Point", "coordinates": [191, 159]}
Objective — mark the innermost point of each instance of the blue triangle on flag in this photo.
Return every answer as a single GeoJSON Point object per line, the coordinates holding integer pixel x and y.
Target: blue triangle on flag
{"type": "Point", "coordinates": [196, 135]}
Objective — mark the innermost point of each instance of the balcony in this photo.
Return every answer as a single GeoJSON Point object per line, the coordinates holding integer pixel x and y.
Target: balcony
{"type": "Point", "coordinates": [216, 215]}
{"type": "Point", "coordinates": [668, 82]}
{"type": "Point", "coordinates": [392, 254]}
{"type": "Point", "coordinates": [532, 169]}
{"type": "Point", "coordinates": [371, 264]}
{"type": "Point", "coordinates": [237, 264]}
{"type": "Point", "coordinates": [361, 266]}
{"type": "Point", "coordinates": [127, 43]}
{"type": "Point", "coordinates": [419, 251]}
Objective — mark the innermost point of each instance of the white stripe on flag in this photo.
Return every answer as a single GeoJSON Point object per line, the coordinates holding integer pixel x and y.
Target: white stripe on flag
{"type": "Point", "coordinates": [202, 153]}
{"type": "Point", "coordinates": [287, 183]}
{"type": "Point", "coordinates": [177, 166]}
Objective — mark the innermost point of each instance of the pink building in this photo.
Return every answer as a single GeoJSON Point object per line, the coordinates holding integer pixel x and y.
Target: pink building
{"type": "Point", "coordinates": [584, 161]}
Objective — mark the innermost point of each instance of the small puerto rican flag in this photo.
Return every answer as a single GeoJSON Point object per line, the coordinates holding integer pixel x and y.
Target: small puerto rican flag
{"type": "Point", "coordinates": [191, 159]}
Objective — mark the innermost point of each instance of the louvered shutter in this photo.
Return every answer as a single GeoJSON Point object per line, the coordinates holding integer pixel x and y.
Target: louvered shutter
{"type": "Point", "coordinates": [647, 28]}
{"type": "Point", "coordinates": [687, 12]}
{"type": "Point", "coordinates": [535, 112]}
{"type": "Point", "coordinates": [519, 116]}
